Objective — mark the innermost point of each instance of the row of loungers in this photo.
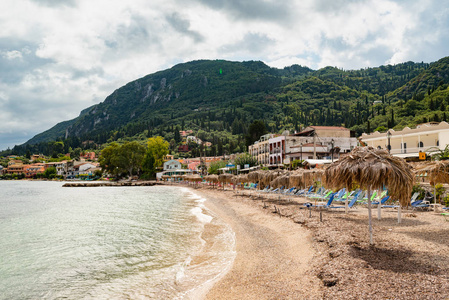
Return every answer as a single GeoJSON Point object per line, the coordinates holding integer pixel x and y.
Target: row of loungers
{"type": "Point", "coordinates": [356, 197]}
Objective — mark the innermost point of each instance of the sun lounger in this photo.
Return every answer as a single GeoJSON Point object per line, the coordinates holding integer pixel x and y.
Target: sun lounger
{"type": "Point", "coordinates": [304, 191]}
{"type": "Point", "coordinates": [350, 205]}
{"type": "Point", "coordinates": [382, 201]}
{"type": "Point", "coordinates": [323, 206]}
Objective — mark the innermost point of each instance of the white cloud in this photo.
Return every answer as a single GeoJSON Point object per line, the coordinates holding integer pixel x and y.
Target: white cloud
{"type": "Point", "coordinates": [59, 57]}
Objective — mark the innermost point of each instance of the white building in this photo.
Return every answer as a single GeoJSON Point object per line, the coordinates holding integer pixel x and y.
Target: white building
{"type": "Point", "coordinates": [314, 142]}
{"type": "Point", "coordinates": [409, 142]}
{"type": "Point", "coordinates": [172, 164]}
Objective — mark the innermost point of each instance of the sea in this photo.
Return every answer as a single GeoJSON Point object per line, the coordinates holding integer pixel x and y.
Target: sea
{"type": "Point", "coordinates": [157, 242]}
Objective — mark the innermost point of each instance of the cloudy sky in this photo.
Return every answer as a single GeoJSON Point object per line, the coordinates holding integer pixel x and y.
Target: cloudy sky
{"type": "Point", "coordinates": [58, 57]}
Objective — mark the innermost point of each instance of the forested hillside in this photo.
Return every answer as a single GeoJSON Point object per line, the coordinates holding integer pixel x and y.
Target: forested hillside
{"type": "Point", "coordinates": [218, 100]}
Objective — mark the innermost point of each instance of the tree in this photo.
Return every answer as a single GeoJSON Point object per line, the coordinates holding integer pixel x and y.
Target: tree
{"type": "Point", "coordinates": [50, 173]}
{"type": "Point", "coordinates": [255, 131]}
{"type": "Point", "coordinates": [157, 148]}
{"type": "Point", "coordinates": [109, 159]}
{"type": "Point", "coordinates": [245, 159]}
{"type": "Point", "coordinates": [127, 158]}
{"type": "Point", "coordinates": [177, 134]}
{"type": "Point", "coordinates": [214, 166]}
{"type": "Point", "coordinates": [131, 157]}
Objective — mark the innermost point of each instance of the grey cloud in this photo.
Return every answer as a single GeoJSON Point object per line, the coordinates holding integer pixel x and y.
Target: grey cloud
{"type": "Point", "coordinates": [13, 69]}
{"type": "Point", "coordinates": [334, 6]}
{"type": "Point", "coordinates": [252, 42]}
{"type": "Point", "coordinates": [133, 37]}
{"type": "Point", "coordinates": [182, 26]}
{"type": "Point", "coordinates": [56, 3]}
{"type": "Point", "coordinates": [278, 11]}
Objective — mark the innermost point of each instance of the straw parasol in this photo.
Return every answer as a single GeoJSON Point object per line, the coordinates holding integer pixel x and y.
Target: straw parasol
{"type": "Point", "coordinates": [372, 169]}
{"type": "Point", "coordinates": [280, 181]}
{"type": "Point", "coordinates": [255, 176]}
{"type": "Point", "coordinates": [225, 178]}
{"type": "Point", "coordinates": [437, 171]}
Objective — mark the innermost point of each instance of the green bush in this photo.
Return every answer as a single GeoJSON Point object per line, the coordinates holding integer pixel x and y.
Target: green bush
{"type": "Point", "coordinates": [420, 190]}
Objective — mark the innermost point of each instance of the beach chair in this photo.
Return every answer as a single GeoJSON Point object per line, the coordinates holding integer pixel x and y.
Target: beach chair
{"type": "Point", "coordinates": [321, 206]}
{"type": "Point", "coordinates": [343, 196]}
{"type": "Point", "coordinates": [279, 191]}
{"type": "Point", "coordinates": [321, 194]}
{"type": "Point", "coordinates": [350, 204]}
{"type": "Point", "coordinates": [382, 201]}
{"type": "Point", "coordinates": [290, 191]}
{"type": "Point", "coordinates": [424, 205]}
{"type": "Point", "coordinates": [306, 192]}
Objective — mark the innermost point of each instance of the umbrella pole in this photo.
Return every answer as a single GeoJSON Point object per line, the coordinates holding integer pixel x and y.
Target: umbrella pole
{"type": "Point", "coordinates": [370, 225]}
{"type": "Point", "coordinates": [379, 210]}
{"type": "Point", "coordinates": [346, 205]}
{"type": "Point", "coordinates": [399, 214]}
{"type": "Point", "coordinates": [434, 198]}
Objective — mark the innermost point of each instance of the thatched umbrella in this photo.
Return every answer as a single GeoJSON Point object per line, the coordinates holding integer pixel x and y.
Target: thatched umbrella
{"type": "Point", "coordinates": [372, 169]}
{"type": "Point", "coordinates": [280, 181]}
{"type": "Point", "coordinates": [239, 179]}
{"type": "Point", "coordinates": [312, 175]}
{"type": "Point", "coordinates": [255, 176]}
{"type": "Point", "coordinates": [212, 179]}
{"type": "Point", "coordinates": [437, 171]}
{"type": "Point", "coordinates": [296, 179]}
{"type": "Point", "coordinates": [225, 178]}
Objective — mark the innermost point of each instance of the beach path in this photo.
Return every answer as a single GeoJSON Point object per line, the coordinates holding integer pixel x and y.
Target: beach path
{"type": "Point", "coordinates": [273, 253]}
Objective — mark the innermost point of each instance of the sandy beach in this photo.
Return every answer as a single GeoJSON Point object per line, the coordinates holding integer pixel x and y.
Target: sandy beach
{"type": "Point", "coordinates": [285, 252]}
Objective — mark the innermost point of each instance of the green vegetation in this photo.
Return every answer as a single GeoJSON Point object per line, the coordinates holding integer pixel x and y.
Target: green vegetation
{"type": "Point", "coordinates": [214, 166]}
{"type": "Point", "coordinates": [132, 158]}
{"type": "Point", "coordinates": [228, 108]}
{"type": "Point", "coordinates": [245, 159]}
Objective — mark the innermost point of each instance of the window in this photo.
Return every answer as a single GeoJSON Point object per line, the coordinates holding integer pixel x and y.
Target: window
{"type": "Point", "coordinates": [420, 144]}
{"type": "Point", "coordinates": [438, 143]}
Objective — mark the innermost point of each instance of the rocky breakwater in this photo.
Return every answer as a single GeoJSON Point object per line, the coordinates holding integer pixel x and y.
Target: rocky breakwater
{"type": "Point", "coordinates": [112, 183]}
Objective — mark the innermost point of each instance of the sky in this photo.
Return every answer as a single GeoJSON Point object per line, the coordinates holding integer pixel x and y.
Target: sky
{"type": "Point", "coordinates": [58, 57]}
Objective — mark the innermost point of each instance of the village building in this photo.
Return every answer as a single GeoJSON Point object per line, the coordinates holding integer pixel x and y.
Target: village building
{"type": "Point", "coordinates": [36, 157]}
{"type": "Point", "coordinates": [15, 167]}
{"type": "Point", "coordinates": [409, 143]}
{"type": "Point", "coordinates": [88, 156]}
{"type": "Point", "coordinates": [33, 170]}
{"type": "Point", "coordinates": [172, 165]}
{"type": "Point", "coordinates": [260, 149]}
{"type": "Point", "coordinates": [313, 143]}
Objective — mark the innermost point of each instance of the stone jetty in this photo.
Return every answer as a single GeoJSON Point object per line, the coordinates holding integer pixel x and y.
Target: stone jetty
{"type": "Point", "coordinates": [112, 183]}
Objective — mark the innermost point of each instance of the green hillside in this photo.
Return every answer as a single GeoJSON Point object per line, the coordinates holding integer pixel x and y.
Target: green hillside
{"type": "Point", "coordinates": [219, 99]}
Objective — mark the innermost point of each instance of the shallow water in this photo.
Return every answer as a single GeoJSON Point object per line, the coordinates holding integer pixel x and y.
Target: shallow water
{"type": "Point", "coordinates": [108, 242]}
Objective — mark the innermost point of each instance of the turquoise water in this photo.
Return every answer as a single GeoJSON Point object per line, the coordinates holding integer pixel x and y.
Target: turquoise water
{"type": "Point", "coordinates": [107, 242]}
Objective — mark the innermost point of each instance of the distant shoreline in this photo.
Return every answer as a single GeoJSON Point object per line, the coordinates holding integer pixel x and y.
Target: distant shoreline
{"type": "Point", "coordinates": [112, 183]}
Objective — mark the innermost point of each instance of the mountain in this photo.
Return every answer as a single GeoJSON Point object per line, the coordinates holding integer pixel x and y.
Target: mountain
{"type": "Point", "coordinates": [219, 99]}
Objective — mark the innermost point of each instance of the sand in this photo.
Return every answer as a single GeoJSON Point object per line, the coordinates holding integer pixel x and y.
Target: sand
{"type": "Point", "coordinates": [282, 253]}
{"type": "Point", "coordinates": [274, 254]}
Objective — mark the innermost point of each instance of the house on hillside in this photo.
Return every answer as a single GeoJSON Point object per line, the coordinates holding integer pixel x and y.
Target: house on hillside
{"type": "Point", "coordinates": [183, 148]}
{"type": "Point", "coordinates": [88, 156]}
{"type": "Point", "coordinates": [172, 165]}
{"type": "Point", "coordinates": [15, 167]}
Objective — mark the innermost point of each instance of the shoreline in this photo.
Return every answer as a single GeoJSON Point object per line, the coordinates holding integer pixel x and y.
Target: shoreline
{"type": "Point", "coordinates": [273, 255]}
{"type": "Point", "coordinates": [409, 260]}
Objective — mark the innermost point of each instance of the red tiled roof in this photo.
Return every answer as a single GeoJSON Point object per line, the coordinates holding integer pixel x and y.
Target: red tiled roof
{"type": "Point", "coordinates": [329, 127]}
